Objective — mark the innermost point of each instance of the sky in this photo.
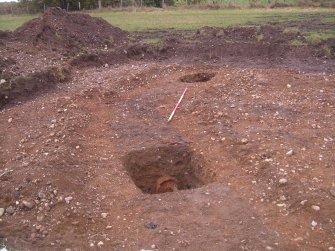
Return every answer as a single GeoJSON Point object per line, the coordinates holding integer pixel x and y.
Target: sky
{"type": "Point", "coordinates": [2, 1]}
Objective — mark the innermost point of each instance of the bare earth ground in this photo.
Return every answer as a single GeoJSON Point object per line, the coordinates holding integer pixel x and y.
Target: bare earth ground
{"type": "Point", "coordinates": [251, 148]}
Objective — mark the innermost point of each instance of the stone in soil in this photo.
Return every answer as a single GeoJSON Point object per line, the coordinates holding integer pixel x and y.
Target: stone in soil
{"type": "Point", "coordinates": [10, 210]}
{"type": "Point", "coordinates": [68, 199]}
{"type": "Point", "coordinates": [28, 204]}
{"type": "Point", "coordinates": [289, 153]}
{"type": "Point", "coordinates": [332, 191]}
{"type": "Point", "coordinates": [282, 181]}
{"type": "Point", "coordinates": [40, 218]}
{"type": "Point", "coordinates": [316, 208]}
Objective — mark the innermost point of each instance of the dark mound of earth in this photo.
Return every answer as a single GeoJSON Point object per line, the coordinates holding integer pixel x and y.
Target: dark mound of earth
{"type": "Point", "coordinates": [57, 28]}
{"type": "Point", "coordinates": [24, 87]}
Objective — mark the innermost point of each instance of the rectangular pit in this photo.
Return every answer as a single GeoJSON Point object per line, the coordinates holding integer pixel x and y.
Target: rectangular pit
{"type": "Point", "coordinates": [165, 168]}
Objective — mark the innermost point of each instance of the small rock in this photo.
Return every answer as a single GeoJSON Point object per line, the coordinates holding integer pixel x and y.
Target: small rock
{"type": "Point", "coordinates": [40, 218]}
{"type": "Point", "coordinates": [109, 227]}
{"type": "Point", "coordinates": [244, 141]}
{"type": "Point", "coordinates": [100, 243]}
{"type": "Point", "coordinates": [283, 198]}
{"type": "Point", "coordinates": [104, 215]}
{"type": "Point", "coordinates": [68, 199]}
{"type": "Point", "coordinates": [282, 181]}
{"type": "Point", "coordinates": [2, 81]}
{"type": "Point", "coordinates": [316, 208]}
{"type": "Point", "coordinates": [288, 86]}
{"type": "Point", "coordinates": [41, 195]}
{"type": "Point", "coordinates": [314, 223]}
{"type": "Point", "coordinates": [10, 210]}
{"type": "Point", "coordinates": [298, 239]}
{"type": "Point", "coordinates": [2, 211]}
{"type": "Point", "coordinates": [28, 204]}
{"type": "Point", "coordinates": [10, 120]}
{"type": "Point", "coordinates": [303, 202]}
{"type": "Point", "coordinates": [289, 153]}
{"type": "Point", "coordinates": [151, 225]}
{"type": "Point", "coordinates": [331, 249]}
{"type": "Point", "coordinates": [332, 191]}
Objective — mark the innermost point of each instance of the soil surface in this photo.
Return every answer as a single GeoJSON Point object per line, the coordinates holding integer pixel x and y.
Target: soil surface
{"type": "Point", "coordinates": [88, 160]}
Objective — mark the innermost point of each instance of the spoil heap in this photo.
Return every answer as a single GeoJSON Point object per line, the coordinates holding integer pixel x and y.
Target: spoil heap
{"type": "Point", "coordinates": [58, 28]}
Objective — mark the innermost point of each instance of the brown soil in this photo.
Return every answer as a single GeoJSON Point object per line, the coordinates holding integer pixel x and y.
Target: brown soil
{"type": "Point", "coordinates": [166, 184]}
{"type": "Point", "coordinates": [88, 160]}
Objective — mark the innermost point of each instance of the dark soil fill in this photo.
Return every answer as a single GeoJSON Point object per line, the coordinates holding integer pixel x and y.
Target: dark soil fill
{"type": "Point", "coordinates": [57, 28]}
{"type": "Point", "coordinates": [23, 87]}
{"type": "Point", "coordinates": [164, 169]}
{"type": "Point", "coordinates": [197, 77]}
{"type": "Point", "coordinates": [4, 34]}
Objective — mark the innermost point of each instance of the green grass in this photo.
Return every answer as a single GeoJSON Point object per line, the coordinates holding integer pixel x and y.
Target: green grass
{"type": "Point", "coordinates": [264, 3]}
{"type": "Point", "coordinates": [314, 38]}
{"type": "Point", "coordinates": [259, 37]}
{"type": "Point", "coordinates": [297, 42]}
{"type": "Point", "coordinates": [194, 18]}
{"type": "Point", "coordinates": [8, 22]}
{"type": "Point", "coordinates": [327, 51]}
{"type": "Point", "coordinates": [156, 42]}
{"type": "Point", "coordinates": [291, 30]}
{"type": "Point", "coordinates": [153, 41]}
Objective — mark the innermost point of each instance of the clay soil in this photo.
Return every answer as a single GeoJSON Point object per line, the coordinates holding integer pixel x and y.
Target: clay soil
{"type": "Point", "coordinates": [88, 160]}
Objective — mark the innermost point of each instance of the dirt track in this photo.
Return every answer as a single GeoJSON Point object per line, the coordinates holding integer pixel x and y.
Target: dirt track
{"type": "Point", "coordinates": [251, 149]}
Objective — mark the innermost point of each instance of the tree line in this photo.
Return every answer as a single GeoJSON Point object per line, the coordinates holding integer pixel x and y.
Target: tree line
{"type": "Point", "coordinates": [75, 5]}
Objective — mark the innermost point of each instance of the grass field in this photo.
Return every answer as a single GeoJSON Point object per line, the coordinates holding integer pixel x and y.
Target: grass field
{"type": "Point", "coordinates": [8, 22]}
{"type": "Point", "coordinates": [193, 19]}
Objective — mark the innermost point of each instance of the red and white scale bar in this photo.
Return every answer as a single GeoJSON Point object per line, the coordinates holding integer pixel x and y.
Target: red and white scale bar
{"type": "Point", "coordinates": [177, 105]}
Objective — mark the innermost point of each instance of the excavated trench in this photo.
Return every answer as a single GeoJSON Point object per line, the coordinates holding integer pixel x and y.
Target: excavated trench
{"type": "Point", "coordinates": [166, 168]}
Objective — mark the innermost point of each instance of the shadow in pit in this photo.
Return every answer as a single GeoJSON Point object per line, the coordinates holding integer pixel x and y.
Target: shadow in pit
{"type": "Point", "coordinates": [197, 77]}
{"type": "Point", "coordinates": [166, 168]}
